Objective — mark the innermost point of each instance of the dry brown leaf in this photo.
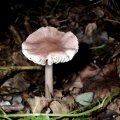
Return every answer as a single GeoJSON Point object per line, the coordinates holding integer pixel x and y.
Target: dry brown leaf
{"type": "Point", "coordinates": [74, 82]}
{"type": "Point", "coordinates": [90, 28]}
{"type": "Point", "coordinates": [115, 105]}
{"type": "Point", "coordinates": [77, 83]}
{"type": "Point", "coordinates": [69, 100]}
{"type": "Point", "coordinates": [117, 118]}
{"type": "Point", "coordinates": [18, 59]}
{"type": "Point", "coordinates": [108, 70]}
{"type": "Point", "coordinates": [75, 91]}
{"type": "Point", "coordinates": [99, 12]}
{"type": "Point", "coordinates": [77, 80]}
{"type": "Point", "coordinates": [17, 83]}
{"type": "Point", "coordinates": [58, 107]}
{"type": "Point", "coordinates": [57, 93]}
{"type": "Point", "coordinates": [102, 87]}
{"type": "Point", "coordinates": [37, 104]}
{"type": "Point", "coordinates": [88, 34]}
{"type": "Point", "coordinates": [89, 71]}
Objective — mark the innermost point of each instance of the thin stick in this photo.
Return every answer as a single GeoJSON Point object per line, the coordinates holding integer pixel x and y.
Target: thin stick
{"type": "Point", "coordinates": [113, 21]}
{"type": "Point", "coordinates": [21, 68]}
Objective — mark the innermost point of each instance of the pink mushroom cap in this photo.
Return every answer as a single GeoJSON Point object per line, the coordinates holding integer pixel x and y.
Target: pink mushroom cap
{"type": "Point", "coordinates": [47, 45]}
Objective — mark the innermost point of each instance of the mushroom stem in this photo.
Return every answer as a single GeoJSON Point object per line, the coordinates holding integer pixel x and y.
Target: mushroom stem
{"type": "Point", "coordinates": [48, 81]}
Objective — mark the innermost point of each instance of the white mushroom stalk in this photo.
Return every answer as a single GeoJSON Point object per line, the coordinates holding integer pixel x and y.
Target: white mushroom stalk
{"type": "Point", "coordinates": [48, 81]}
{"type": "Point", "coordinates": [47, 46]}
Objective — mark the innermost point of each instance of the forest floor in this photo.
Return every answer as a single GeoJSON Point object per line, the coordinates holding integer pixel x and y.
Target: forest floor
{"type": "Point", "coordinates": [90, 77]}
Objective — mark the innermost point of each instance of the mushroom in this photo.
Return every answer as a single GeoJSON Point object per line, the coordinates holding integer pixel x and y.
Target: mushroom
{"type": "Point", "coordinates": [46, 46]}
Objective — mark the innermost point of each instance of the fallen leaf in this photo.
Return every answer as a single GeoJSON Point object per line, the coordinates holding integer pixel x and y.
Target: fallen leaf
{"type": "Point", "coordinates": [18, 59]}
{"type": "Point", "coordinates": [117, 118]}
{"type": "Point", "coordinates": [75, 91]}
{"type": "Point", "coordinates": [115, 105]}
{"type": "Point", "coordinates": [90, 28]}
{"type": "Point", "coordinates": [89, 71]}
{"type": "Point", "coordinates": [76, 83]}
{"type": "Point", "coordinates": [17, 99]}
{"type": "Point", "coordinates": [37, 104]}
{"type": "Point", "coordinates": [99, 12]}
{"type": "Point", "coordinates": [58, 94]}
{"type": "Point", "coordinates": [69, 100]}
{"type": "Point", "coordinates": [72, 82]}
{"type": "Point", "coordinates": [102, 87]}
{"type": "Point", "coordinates": [85, 98]}
{"type": "Point", "coordinates": [16, 84]}
{"type": "Point", "coordinates": [108, 70]}
{"type": "Point", "coordinates": [58, 107]}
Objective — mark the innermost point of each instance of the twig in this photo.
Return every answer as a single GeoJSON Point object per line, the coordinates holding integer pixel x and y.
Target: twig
{"type": "Point", "coordinates": [113, 21]}
{"type": "Point", "coordinates": [61, 21]}
{"type": "Point", "coordinates": [21, 68]}
{"type": "Point", "coordinates": [8, 108]}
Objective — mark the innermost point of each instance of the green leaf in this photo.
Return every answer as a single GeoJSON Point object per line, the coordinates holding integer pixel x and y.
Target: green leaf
{"type": "Point", "coordinates": [85, 98]}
